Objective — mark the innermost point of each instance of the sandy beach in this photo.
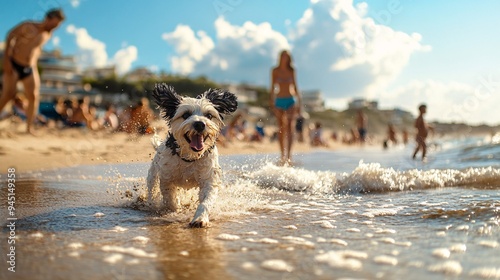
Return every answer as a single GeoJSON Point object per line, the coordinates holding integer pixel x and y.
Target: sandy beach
{"type": "Point", "coordinates": [57, 148]}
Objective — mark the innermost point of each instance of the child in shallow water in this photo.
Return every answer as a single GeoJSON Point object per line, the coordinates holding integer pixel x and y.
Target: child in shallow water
{"type": "Point", "coordinates": [422, 132]}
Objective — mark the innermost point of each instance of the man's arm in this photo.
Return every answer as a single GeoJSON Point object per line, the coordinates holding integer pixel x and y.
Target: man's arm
{"type": "Point", "coordinates": [10, 43]}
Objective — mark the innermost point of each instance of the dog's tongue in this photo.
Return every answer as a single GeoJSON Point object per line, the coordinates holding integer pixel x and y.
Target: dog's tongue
{"type": "Point", "coordinates": [197, 142]}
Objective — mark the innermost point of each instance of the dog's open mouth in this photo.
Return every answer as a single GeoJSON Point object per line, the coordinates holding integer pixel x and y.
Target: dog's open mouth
{"type": "Point", "coordinates": [196, 141]}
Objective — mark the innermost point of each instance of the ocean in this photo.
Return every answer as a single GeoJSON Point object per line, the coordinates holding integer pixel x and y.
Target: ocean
{"type": "Point", "coordinates": [358, 213]}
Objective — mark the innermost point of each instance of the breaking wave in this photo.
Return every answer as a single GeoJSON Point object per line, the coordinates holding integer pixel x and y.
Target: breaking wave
{"type": "Point", "coordinates": [372, 177]}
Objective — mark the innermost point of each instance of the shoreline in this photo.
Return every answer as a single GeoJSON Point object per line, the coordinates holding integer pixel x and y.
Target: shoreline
{"type": "Point", "coordinates": [55, 148]}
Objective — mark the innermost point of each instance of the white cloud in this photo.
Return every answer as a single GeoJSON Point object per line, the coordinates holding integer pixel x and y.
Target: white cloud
{"type": "Point", "coordinates": [189, 46]}
{"type": "Point", "coordinates": [343, 52]}
{"type": "Point", "coordinates": [452, 101]}
{"type": "Point", "coordinates": [74, 3]}
{"type": "Point", "coordinates": [92, 52]}
{"type": "Point", "coordinates": [242, 53]}
{"type": "Point", "coordinates": [55, 41]}
{"type": "Point", "coordinates": [336, 47]}
{"type": "Point", "coordinates": [124, 58]}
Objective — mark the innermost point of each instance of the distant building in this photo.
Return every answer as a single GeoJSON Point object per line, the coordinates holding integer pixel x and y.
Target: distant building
{"type": "Point", "coordinates": [140, 74]}
{"type": "Point", "coordinates": [255, 113]}
{"type": "Point", "coordinates": [243, 94]}
{"type": "Point", "coordinates": [100, 73]}
{"type": "Point", "coordinates": [58, 75]}
{"type": "Point", "coordinates": [397, 116]}
{"type": "Point", "coordinates": [312, 101]}
{"type": "Point", "coordinates": [360, 103]}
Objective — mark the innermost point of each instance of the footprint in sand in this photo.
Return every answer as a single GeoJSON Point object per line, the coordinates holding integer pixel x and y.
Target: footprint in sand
{"type": "Point", "coordinates": [56, 149]}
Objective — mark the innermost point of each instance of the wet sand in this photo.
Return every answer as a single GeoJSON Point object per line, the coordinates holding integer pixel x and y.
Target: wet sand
{"type": "Point", "coordinates": [85, 223]}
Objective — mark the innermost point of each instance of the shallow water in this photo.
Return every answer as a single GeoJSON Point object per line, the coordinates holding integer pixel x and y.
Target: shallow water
{"type": "Point", "coordinates": [363, 213]}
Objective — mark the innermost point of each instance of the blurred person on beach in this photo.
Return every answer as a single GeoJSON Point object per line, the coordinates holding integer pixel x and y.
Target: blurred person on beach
{"type": "Point", "coordinates": [94, 121]}
{"type": "Point", "coordinates": [236, 129]}
{"type": "Point", "coordinates": [18, 108]}
{"type": "Point", "coordinates": [53, 110]}
{"type": "Point", "coordinates": [124, 119]}
{"type": "Point", "coordinates": [391, 133]}
{"type": "Point", "coordinates": [19, 111]}
{"type": "Point", "coordinates": [258, 133]}
{"type": "Point", "coordinates": [354, 136]}
{"type": "Point", "coordinates": [361, 123]}
{"type": "Point", "coordinates": [23, 47]}
{"type": "Point", "coordinates": [67, 111]}
{"type": "Point", "coordinates": [391, 136]}
{"type": "Point", "coordinates": [110, 119]}
{"type": "Point", "coordinates": [285, 102]}
{"type": "Point", "coordinates": [334, 136]}
{"type": "Point", "coordinates": [81, 116]}
{"type": "Point", "coordinates": [405, 136]}
{"type": "Point", "coordinates": [141, 117]}
{"type": "Point", "coordinates": [299, 128]}
{"type": "Point", "coordinates": [422, 132]}
{"type": "Point", "coordinates": [274, 136]}
{"type": "Point", "coordinates": [317, 136]}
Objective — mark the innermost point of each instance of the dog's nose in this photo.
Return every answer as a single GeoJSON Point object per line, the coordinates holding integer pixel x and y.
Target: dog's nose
{"type": "Point", "coordinates": [199, 126]}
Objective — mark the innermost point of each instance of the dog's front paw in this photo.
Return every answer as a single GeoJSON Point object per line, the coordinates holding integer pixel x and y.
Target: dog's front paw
{"type": "Point", "coordinates": [200, 219]}
{"type": "Point", "coordinates": [199, 223]}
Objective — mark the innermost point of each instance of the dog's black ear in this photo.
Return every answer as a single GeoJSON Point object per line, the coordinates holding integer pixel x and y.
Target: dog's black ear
{"type": "Point", "coordinates": [167, 99]}
{"type": "Point", "coordinates": [225, 102]}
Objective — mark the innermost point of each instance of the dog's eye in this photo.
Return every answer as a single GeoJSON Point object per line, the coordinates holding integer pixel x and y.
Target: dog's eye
{"type": "Point", "coordinates": [186, 115]}
{"type": "Point", "coordinates": [209, 116]}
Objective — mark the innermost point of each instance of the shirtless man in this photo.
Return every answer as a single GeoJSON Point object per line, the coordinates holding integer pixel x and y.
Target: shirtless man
{"type": "Point", "coordinates": [422, 132]}
{"type": "Point", "coordinates": [23, 47]}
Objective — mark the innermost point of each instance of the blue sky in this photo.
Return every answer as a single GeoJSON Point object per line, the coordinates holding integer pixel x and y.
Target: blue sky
{"type": "Point", "coordinates": [400, 52]}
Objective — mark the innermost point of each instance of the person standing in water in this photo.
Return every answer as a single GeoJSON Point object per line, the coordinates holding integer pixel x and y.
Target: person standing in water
{"type": "Point", "coordinates": [361, 123]}
{"type": "Point", "coordinates": [23, 47]}
{"type": "Point", "coordinates": [422, 132]}
{"type": "Point", "coordinates": [285, 102]}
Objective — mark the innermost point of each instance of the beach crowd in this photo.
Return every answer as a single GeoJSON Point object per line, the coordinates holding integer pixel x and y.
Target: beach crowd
{"type": "Point", "coordinates": [81, 113]}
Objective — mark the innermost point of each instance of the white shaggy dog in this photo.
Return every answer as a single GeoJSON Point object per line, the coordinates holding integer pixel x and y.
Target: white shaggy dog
{"type": "Point", "coordinates": [188, 158]}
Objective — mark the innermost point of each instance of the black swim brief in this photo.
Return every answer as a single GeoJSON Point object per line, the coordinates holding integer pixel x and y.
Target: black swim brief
{"type": "Point", "coordinates": [22, 71]}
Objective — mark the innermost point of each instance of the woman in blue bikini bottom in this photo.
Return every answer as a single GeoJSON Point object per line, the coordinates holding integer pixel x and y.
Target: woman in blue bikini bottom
{"type": "Point", "coordinates": [284, 103]}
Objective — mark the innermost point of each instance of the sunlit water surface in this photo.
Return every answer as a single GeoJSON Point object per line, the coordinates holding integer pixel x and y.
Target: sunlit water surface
{"type": "Point", "coordinates": [363, 213]}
